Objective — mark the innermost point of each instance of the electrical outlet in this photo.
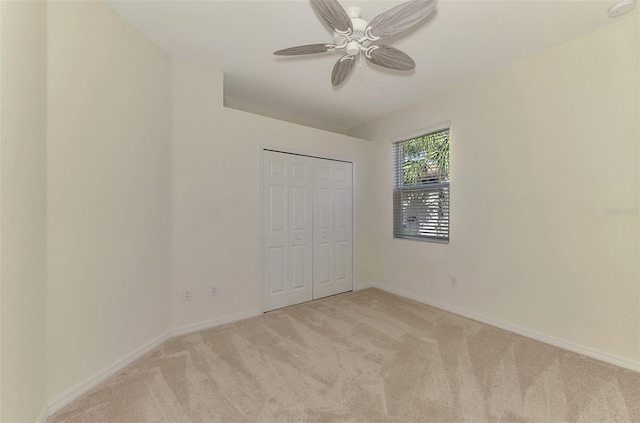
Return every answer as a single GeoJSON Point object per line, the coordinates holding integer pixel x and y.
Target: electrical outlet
{"type": "Point", "coordinates": [454, 281]}
{"type": "Point", "coordinates": [186, 295]}
{"type": "Point", "coordinates": [214, 291]}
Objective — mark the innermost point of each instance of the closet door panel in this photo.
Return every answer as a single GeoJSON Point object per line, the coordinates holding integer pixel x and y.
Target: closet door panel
{"type": "Point", "coordinates": [276, 232]}
{"type": "Point", "coordinates": [332, 228]}
{"type": "Point", "coordinates": [322, 264]}
{"type": "Point", "coordinates": [277, 268]}
{"type": "Point", "coordinates": [300, 229]}
{"type": "Point", "coordinates": [343, 229]}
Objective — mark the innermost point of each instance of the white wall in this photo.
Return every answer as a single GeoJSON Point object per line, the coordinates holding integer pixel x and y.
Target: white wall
{"type": "Point", "coordinates": [540, 150]}
{"type": "Point", "coordinates": [108, 192]}
{"type": "Point", "coordinates": [22, 209]}
{"type": "Point", "coordinates": [216, 196]}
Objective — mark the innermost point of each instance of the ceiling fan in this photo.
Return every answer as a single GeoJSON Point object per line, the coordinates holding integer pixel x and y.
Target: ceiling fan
{"type": "Point", "coordinates": [355, 35]}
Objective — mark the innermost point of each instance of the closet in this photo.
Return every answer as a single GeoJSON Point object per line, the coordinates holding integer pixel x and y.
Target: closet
{"type": "Point", "coordinates": [307, 228]}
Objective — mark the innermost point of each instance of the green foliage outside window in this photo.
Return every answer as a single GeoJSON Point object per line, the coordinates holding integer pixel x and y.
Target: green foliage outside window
{"type": "Point", "coordinates": [426, 159]}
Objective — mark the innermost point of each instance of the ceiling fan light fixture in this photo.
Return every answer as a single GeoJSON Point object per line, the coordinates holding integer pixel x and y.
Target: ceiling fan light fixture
{"type": "Point", "coordinates": [353, 48]}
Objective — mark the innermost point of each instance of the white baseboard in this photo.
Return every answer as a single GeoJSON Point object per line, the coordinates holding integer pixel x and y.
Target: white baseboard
{"type": "Point", "coordinates": [361, 287]}
{"type": "Point", "coordinates": [83, 387]}
{"type": "Point", "coordinates": [44, 414]}
{"type": "Point", "coordinates": [570, 346]}
{"type": "Point", "coordinates": [195, 327]}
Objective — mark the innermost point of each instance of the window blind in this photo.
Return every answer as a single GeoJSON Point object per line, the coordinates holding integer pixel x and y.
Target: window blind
{"type": "Point", "coordinates": [421, 187]}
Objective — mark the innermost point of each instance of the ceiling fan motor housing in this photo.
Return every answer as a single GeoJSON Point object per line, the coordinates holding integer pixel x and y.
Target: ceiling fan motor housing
{"type": "Point", "coordinates": [353, 45]}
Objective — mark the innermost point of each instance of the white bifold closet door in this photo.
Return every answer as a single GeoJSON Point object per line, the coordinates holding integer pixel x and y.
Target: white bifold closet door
{"type": "Point", "coordinates": [332, 228]}
{"type": "Point", "coordinates": [307, 251]}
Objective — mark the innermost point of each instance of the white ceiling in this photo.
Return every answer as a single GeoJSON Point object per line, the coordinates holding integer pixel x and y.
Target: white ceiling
{"type": "Point", "coordinates": [459, 41]}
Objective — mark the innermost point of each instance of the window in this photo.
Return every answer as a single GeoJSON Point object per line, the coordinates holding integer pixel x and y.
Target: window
{"type": "Point", "coordinates": [421, 187]}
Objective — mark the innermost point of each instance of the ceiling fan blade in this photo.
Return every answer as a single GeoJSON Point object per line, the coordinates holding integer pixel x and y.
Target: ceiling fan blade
{"type": "Point", "coordinates": [306, 49]}
{"type": "Point", "coordinates": [390, 57]}
{"type": "Point", "coordinates": [400, 18]}
{"type": "Point", "coordinates": [333, 15]}
{"type": "Point", "coordinates": [342, 69]}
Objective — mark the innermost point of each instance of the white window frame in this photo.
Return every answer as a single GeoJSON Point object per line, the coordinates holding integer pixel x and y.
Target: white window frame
{"type": "Point", "coordinates": [428, 186]}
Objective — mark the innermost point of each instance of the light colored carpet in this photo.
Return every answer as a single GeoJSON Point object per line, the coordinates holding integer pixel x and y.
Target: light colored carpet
{"type": "Point", "coordinates": [366, 356]}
